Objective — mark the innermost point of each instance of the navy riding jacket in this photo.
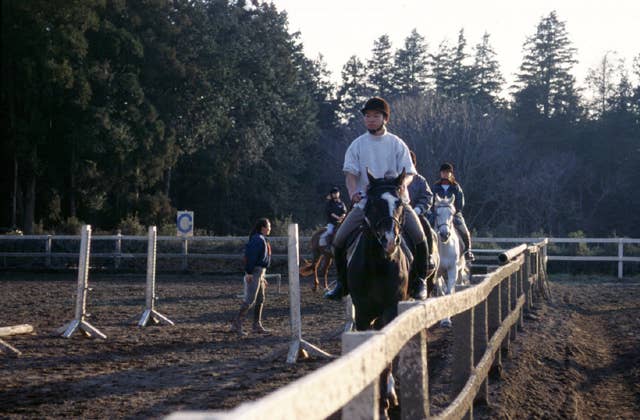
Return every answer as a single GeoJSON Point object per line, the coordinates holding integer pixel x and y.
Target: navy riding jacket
{"type": "Point", "coordinates": [454, 190]}
{"type": "Point", "coordinates": [336, 207]}
{"type": "Point", "coordinates": [257, 253]}
{"type": "Point", "coordinates": [420, 193]}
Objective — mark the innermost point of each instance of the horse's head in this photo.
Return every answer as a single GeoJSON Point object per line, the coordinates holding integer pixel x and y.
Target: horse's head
{"type": "Point", "coordinates": [444, 211]}
{"type": "Point", "coordinates": [384, 211]}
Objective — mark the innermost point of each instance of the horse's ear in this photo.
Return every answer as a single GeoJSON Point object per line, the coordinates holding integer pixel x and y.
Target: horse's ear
{"type": "Point", "coordinates": [401, 177]}
{"type": "Point", "coordinates": [370, 176]}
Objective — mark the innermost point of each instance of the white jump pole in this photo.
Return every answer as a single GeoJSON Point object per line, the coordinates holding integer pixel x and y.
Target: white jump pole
{"type": "Point", "coordinates": [79, 322]}
{"type": "Point", "coordinates": [13, 330]}
{"type": "Point", "coordinates": [297, 342]}
{"type": "Point", "coordinates": [150, 311]}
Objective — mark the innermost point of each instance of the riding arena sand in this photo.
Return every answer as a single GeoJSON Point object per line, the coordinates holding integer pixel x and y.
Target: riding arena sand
{"type": "Point", "coordinates": [578, 356]}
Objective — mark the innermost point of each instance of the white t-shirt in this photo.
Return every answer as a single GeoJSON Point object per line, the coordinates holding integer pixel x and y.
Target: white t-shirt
{"type": "Point", "coordinates": [385, 156]}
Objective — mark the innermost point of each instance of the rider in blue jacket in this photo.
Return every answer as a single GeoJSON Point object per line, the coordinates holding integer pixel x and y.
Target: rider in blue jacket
{"type": "Point", "coordinates": [446, 187]}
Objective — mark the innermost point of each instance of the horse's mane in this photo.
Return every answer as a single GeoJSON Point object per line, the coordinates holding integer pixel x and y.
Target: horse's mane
{"type": "Point", "coordinates": [382, 185]}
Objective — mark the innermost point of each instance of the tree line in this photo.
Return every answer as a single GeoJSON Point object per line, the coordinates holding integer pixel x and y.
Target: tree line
{"type": "Point", "coordinates": [117, 113]}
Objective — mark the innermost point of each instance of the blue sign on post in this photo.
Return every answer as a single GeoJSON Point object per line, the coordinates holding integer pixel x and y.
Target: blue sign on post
{"type": "Point", "coordinates": [184, 222]}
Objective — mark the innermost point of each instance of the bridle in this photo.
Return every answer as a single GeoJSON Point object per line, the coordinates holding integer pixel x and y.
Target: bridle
{"type": "Point", "coordinates": [373, 228]}
{"type": "Point", "coordinates": [447, 222]}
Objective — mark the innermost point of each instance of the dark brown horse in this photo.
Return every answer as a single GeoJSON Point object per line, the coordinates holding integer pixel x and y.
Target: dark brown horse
{"type": "Point", "coordinates": [378, 271]}
{"type": "Point", "coordinates": [321, 260]}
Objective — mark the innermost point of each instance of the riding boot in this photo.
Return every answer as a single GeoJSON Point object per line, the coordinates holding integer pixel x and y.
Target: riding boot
{"type": "Point", "coordinates": [466, 239]}
{"type": "Point", "coordinates": [257, 320]}
{"type": "Point", "coordinates": [419, 286]}
{"type": "Point", "coordinates": [427, 231]}
{"type": "Point", "coordinates": [341, 282]}
{"type": "Point", "coordinates": [236, 324]}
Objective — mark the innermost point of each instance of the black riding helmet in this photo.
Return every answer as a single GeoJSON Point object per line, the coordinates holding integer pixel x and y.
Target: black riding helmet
{"type": "Point", "coordinates": [334, 190]}
{"type": "Point", "coordinates": [377, 104]}
{"type": "Point", "coordinates": [446, 167]}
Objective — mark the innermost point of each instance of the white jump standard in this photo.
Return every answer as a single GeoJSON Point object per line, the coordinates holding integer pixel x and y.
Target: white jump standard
{"type": "Point", "coordinates": [150, 311]}
{"type": "Point", "coordinates": [81, 296]}
{"type": "Point", "coordinates": [297, 342]}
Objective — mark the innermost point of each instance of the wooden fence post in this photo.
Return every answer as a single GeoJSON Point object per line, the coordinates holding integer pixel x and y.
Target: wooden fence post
{"type": "Point", "coordinates": [513, 298]}
{"type": "Point", "coordinates": [118, 256]}
{"type": "Point", "coordinates": [520, 292]}
{"type": "Point", "coordinates": [480, 341]}
{"type": "Point", "coordinates": [463, 358]}
{"type": "Point", "coordinates": [365, 406]}
{"type": "Point", "coordinates": [620, 257]}
{"type": "Point", "coordinates": [413, 373]}
{"type": "Point", "coordinates": [494, 321]}
{"type": "Point", "coordinates": [525, 286]}
{"type": "Point", "coordinates": [48, 251]}
{"type": "Point", "coordinates": [505, 305]}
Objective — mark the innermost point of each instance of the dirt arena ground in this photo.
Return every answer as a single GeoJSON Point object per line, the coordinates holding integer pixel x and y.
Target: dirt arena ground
{"type": "Point", "coordinates": [579, 357]}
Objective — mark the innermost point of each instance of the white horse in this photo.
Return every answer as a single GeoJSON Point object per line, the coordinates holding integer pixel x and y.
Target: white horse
{"type": "Point", "coordinates": [452, 262]}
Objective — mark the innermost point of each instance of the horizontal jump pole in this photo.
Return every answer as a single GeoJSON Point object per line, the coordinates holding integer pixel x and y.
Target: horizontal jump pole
{"type": "Point", "coordinates": [15, 330]}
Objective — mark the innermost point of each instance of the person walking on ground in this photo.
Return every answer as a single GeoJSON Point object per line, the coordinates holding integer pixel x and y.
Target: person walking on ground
{"type": "Point", "coordinates": [257, 257]}
{"type": "Point", "coordinates": [383, 155]}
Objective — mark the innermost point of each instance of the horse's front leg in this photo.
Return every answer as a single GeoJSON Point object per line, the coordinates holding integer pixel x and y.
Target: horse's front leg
{"type": "Point", "coordinates": [316, 281]}
{"type": "Point", "coordinates": [388, 396]}
{"type": "Point", "coordinates": [452, 276]}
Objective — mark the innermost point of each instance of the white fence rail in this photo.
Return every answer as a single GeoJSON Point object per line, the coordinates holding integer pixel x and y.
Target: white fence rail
{"type": "Point", "coordinates": [46, 243]}
{"type": "Point", "coordinates": [486, 317]}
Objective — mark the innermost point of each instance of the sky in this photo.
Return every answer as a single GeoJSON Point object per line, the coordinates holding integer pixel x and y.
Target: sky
{"type": "Point", "coordinates": [338, 29]}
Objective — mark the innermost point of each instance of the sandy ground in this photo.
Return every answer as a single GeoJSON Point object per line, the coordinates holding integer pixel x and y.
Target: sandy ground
{"type": "Point", "coordinates": [578, 358]}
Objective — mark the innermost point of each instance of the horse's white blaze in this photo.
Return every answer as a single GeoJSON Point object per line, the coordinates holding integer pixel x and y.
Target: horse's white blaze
{"type": "Point", "coordinates": [390, 234]}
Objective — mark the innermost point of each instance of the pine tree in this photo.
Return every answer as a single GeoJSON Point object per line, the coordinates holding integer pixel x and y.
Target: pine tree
{"type": "Point", "coordinates": [487, 79]}
{"type": "Point", "coordinates": [380, 69]}
{"type": "Point", "coordinates": [353, 91]}
{"type": "Point", "coordinates": [442, 62]}
{"type": "Point", "coordinates": [545, 71]}
{"type": "Point", "coordinates": [412, 65]}
{"type": "Point", "coordinates": [461, 76]}
{"type": "Point", "coordinates": [451, 72]}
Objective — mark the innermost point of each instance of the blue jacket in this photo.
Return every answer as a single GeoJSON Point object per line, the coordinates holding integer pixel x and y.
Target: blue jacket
{"type": "Point", "coordinates": [257, 253]}
{"type": "Point", "coordinates": [420, 193]}
{"type": "Point", "coordinates": [454, 189]}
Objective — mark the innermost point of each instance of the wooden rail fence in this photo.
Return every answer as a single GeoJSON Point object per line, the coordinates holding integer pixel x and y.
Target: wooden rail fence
{"type": "Point", "coordinates": [486, 318]}
{"type": "Point", "coordinates": [47, 244]}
